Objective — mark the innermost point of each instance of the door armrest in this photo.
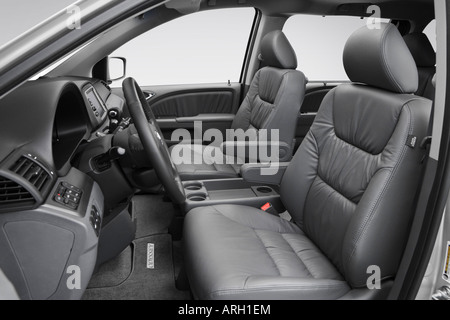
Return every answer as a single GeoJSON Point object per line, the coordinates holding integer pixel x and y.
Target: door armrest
{"type": "Point", "coordinates": [271, 174]}
{"type": "Point", "coordinates": [251, 151]}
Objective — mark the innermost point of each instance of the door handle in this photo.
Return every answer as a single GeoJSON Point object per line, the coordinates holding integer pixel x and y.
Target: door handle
{"type": "Point", "coordinates": [149, 94]}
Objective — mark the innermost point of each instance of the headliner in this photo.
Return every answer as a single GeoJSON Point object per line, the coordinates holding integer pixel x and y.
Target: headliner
{"type": "Point", "coordinates": [391, 9]}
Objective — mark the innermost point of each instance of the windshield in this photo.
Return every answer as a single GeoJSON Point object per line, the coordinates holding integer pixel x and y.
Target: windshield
{"type": "Point", "coordinates": [60, 35]}
{"type": "Point", "coordinates": [18, 16]}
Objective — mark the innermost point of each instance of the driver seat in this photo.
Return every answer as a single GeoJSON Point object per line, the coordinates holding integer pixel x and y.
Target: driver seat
{"type": "Point", "coordinates": [350, 190]}
{"type": "Point", "coordinates": [272, 102]}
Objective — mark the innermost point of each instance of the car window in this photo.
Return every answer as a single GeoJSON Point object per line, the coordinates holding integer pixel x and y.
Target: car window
{"type": "Point", "coordinates": [319, 43]}
{"type": "Point", "coordinates": [31, 13]}
{"type": "Point", "coordinates": [204, 47]}
{"type": "Point", "coordinates": [430, 31]}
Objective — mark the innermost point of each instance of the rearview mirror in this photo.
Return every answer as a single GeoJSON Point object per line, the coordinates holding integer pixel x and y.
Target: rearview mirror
{"type": "Point", "coordinates": [117, 68]}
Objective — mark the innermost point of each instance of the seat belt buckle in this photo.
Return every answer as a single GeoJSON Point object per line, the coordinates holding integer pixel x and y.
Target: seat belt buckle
{"type": "Point", "coordinates": [269, 209]}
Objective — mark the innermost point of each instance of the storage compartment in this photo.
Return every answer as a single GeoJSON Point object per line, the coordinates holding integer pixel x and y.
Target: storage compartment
{"type": "Point", "coordinates": [231, 194]}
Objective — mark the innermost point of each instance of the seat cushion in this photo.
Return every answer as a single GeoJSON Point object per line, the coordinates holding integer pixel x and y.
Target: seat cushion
{"type": "Point", "coordinates": [204, 162]}
{"type": "Point", "coordinates": [254, 255]}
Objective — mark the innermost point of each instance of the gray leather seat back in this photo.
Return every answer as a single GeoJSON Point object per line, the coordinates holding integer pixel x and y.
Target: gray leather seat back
{"type": "Point", "coordinates": [423, 53]}
{"type": "Point", "coordinates": [360, 163]}
{"type": "Point", "coordinates": [276, 92]}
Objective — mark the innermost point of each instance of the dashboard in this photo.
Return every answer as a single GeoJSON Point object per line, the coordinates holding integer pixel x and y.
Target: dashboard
{"type": "Point", "coordinates": [95, 103]}
{"type": "Point", "coordinates": [47, 204]}
{"type": "Point", "coordinates": [50, 118]}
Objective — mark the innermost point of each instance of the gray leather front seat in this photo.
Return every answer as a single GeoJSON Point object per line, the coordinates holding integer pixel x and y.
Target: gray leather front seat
{"type": "Point", "coordinates": [272, 102]}
{"type": "Point", "coordinates": [350, 190]}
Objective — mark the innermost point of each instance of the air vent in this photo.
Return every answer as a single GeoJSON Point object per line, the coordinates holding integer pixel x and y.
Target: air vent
{"type": "Point", "coordinates": [33, 172]}
{"type": "Point", "coordinates": [12, 194]}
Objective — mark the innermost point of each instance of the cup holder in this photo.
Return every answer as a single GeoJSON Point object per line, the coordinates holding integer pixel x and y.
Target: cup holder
{"type": "Point", "coordinates": [194, 186]}
{"type": "Point", "coordinates": [197, 197]}
{"type": "Point", "coordinates": [264, 189]}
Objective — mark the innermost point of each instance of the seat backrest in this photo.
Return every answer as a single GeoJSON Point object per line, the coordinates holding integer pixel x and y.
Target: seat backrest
{"type": "Point", "coordinates": [351, 185]}
{"type": "Point", "coordinates": [425, 57]}
{"type": "Point", "coordinates": [276, 92]}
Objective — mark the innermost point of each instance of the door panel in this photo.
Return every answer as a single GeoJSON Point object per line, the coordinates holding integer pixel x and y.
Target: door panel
{"type": "Point", "coordinates": [193, 104]}
{"type": "Point", "coordinates": [179, 106]}
{"type": "Point", "coordinates": [315, 92]}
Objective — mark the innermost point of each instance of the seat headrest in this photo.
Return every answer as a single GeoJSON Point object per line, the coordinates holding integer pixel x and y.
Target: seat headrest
{"type": "Point", "coordinates": [421, 49]}
{"type": "Point", "coordinates": [277, 52]}
{"type": "Point", "coordinates": [380, 58]}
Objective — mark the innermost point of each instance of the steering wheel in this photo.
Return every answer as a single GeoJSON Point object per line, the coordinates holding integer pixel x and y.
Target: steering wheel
{"type": "Point", "coordinates": [153, 141]}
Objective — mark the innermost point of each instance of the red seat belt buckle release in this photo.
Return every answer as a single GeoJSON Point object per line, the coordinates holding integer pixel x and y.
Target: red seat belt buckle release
{"type": "Point", "coordinates": [266, 207]}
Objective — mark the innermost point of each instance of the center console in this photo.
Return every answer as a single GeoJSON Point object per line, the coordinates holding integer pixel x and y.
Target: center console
{"type": "Point", "coordinates": [231, 191]}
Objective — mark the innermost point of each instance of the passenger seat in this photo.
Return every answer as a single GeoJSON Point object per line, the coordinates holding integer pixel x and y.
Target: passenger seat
{"type": "Point", "coordinates": [350, 190]}
{"type": "Point", "coordinates": [272, 103]}
{"type": "Point", "coordinates": [425, 58]}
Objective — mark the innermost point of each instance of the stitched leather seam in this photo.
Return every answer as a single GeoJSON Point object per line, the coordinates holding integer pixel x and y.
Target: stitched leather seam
{"type": "Point", "coordinates": [281, 82]}
{"type": "Point", "coordinates": [252, 123]}
{"type": "Point", "coordinates": [219, 212]}
{"type": "Point", "coordinates": [285, 287]}
{"type": "Point", "coordinates": [356, 147]}
{"type": "Point", "coordinates": [384, 62]}
{"type": "Point", "coordinates": [369, 217]}
{"type": "Point", "coordinates": [268, 253]}
{"type": "Point", "coordinates": [245, 282]}
{"type": "Point", "coordinates": [351, 144]}
{"type": "Point", "coordinates": [317, 171]}
{"type": "Point", "coordinates": [375, 204]}
{"type": "Point", "coordinates": [337, 191]}
{"type": "Point", "coordinates": [345, 141]}
{"type": "Point", "coordinates": [280, 93]}
{"type": "Point", "coordinates": [299, 259]}
{"type": "Point", "coordinates": [342, 139]}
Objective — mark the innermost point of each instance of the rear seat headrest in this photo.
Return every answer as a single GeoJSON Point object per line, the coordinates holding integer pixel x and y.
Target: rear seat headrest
{"type": "Point", "coordinates": [380, 58]}
{"type": "Point", "coordinates": [421, 49]}
{"type": "Point", "coordinates": [276, 51]}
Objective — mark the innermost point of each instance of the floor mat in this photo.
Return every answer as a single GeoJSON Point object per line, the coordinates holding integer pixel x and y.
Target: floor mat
{"type": "Point", "coordinates": [152, 215]}
{"type": "Point", "coordinates": [145, 283]}
{"type": "Point", "coordinates": [113, 272]}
